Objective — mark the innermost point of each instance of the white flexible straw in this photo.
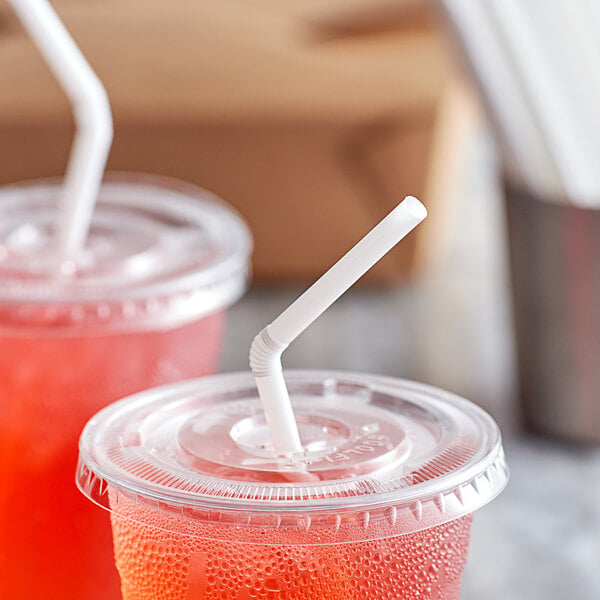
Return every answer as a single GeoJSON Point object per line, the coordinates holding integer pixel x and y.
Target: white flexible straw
{"type": "Point", "coordinates": [570, 42]}
{"type": "Point", "coordinates": [268, 345]}
{"type": "Point", "coordinates": [567, 141]}
{"type": "Point", "coordinates": [509, 108]}
{"type": "Point", "coordinates": [92, 115]}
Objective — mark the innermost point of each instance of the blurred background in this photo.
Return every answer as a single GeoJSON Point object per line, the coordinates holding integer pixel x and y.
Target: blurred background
{"type": "Point", "coordinates": [313, 119]}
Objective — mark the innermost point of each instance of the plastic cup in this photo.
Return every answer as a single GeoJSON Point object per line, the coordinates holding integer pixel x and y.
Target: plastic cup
{"type": "Point", "coordinates": [378, 506]}
{"type": "Point", "coordinates": [145, 306]}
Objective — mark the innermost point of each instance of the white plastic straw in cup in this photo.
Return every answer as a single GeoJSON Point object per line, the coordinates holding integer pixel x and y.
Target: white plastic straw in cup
{"type": "Point", "coordinates": [269, 344]}
{"type": "Point", "coordinates": [92, 116]}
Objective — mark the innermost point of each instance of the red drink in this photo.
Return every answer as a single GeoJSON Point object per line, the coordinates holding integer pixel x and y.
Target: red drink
{"type": "Point", "coordinates": [52, 543]}
{"type": "Point", "coordinates": [166, 557]}
{"type": "Point", "coordinates": [61, 361]}
{"type": "Point", "coordinates": [377, 507]}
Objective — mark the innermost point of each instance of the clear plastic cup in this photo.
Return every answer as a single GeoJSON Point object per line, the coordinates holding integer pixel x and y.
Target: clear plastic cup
{"type": "Point", "coordinates": [378, 506]}
{"type": "Point", "coordinates": [144, 306]}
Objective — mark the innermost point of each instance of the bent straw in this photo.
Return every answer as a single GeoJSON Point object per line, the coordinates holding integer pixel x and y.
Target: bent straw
{"type": "Point", "coordinates": [269, 344]}
{"type": "Point", "coordinates": [92, 115]}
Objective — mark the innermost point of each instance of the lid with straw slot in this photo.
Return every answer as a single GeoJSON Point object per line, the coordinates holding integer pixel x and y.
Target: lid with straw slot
{"type": "Point", "coordinates": [380, 456]}
{"type": "Point", "coordinates": [159, 252]}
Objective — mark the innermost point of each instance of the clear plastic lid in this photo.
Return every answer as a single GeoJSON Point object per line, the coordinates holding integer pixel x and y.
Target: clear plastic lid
{"type": "Point", "coordinates": [374, 448]}
{"type": "Point", "coordinates": [158, 251]}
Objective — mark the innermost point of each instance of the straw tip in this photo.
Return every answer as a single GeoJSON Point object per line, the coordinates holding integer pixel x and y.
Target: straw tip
{"type": "Point", "coordinates": [415, 207]}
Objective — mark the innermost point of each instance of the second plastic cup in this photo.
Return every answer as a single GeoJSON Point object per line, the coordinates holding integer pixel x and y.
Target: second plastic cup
{"type": "Point", "coordinates": [144, 306]}
{"type": "Point", "coordinates": [378, 505]}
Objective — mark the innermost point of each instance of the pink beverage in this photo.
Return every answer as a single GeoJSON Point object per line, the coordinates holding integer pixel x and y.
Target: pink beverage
{"type": "Point", "coordinates": [144, 306]}
{"type": "Point", "coordinates": [377, 506]}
